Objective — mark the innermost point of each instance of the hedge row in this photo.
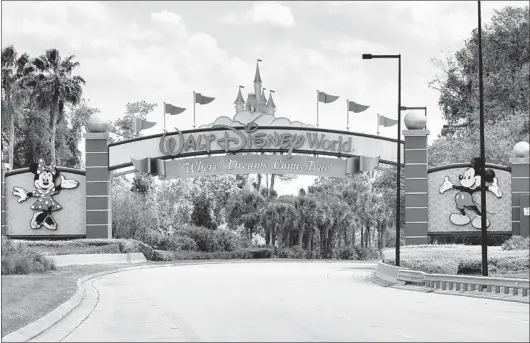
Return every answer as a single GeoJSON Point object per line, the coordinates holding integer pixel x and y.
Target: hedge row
{"type": "Point", "coordinates": [242, 254]}
{"type": "Point", "coordinates": [459, 259]}
{"type": "Point", "coordinates": [89, 246]}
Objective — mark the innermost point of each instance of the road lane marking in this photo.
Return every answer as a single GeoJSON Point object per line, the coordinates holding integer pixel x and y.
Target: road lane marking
{"type": "Point", "coordinates": [343, 317]}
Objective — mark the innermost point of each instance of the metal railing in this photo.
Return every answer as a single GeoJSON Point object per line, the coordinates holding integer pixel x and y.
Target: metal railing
{"type": "Point", "coordinates": [465, 283]}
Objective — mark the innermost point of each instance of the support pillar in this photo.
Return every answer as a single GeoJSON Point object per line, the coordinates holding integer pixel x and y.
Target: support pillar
{"type": "Point", "coordinates": [416, 180]}
{"type": "Point", "coordinates": [5, 167]}
{"type": "Point", "coordinates": [521, 190]}
{"type": "Point", "coordinates": [98, 186]}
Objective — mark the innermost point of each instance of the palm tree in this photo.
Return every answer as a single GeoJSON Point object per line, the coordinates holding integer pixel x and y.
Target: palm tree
{"type": "Point", "coordinates": [55, 86]}
{"type": "Point", "coordinates": [15, 90]}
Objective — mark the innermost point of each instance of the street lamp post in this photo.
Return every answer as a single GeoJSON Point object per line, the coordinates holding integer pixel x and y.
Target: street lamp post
{"type": "Point", "coordinates": [483, 220]}
{"type": "Point", "coordinates": [404, 108]}
{"type": "Point", "coordinates": [398, 196]}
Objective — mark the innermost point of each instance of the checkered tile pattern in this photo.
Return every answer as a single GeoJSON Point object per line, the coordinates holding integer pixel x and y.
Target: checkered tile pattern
{"type": "Point", "coordinates": [441, 206]}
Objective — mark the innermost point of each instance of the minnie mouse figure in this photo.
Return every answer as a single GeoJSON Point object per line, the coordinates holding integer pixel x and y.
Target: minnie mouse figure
{"type": "Point", "coordinates": [44, 181]}
{"type": "Point", "coordinates": [469, 184]}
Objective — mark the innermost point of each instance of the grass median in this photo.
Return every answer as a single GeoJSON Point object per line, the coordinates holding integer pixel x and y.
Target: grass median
{"type": "Point", "coordinates": [458, 259]}
{"type": "Point", "coordinates": [26, 298]}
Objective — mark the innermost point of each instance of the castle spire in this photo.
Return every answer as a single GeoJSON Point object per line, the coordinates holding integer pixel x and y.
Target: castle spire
{"type": "Point", "coordinates": [239, 99]}
{"type": "Point", "coordinates": [257, 77]}
{"type": "Point", "coordinates": [240, 102]}
{"type": "Point", "coordinates": [270, 103]}
{"type": "Point", "coordinates": [271, 107]}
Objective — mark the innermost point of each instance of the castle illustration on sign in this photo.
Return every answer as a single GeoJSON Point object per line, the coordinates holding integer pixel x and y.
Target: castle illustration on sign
{"type": "Point", "coordinates": [257, 108]}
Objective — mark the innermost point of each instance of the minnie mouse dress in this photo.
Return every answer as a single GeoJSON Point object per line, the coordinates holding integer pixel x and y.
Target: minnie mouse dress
{"type": "Point", "coordinates": [45, 201]}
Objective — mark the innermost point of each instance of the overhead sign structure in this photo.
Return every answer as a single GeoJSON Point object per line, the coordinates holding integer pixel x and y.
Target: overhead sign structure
{"type": "Point", "coordinates": [223, 139]}
{"type": "Point", "coordinates": [255, 164]}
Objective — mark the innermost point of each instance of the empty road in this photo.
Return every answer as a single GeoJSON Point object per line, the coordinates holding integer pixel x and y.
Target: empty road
{"type": "Point", "coordinates": [279, 301]}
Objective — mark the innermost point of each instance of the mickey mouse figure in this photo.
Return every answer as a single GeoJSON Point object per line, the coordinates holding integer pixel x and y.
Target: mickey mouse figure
{"type": "Point", "coordinates": [469, 184]}
{"type": "Point", "coordinates": [44, 181]}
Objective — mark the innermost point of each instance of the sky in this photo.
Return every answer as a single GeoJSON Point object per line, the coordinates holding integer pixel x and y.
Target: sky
{"type": "Point", "coordinates": [162, 51]}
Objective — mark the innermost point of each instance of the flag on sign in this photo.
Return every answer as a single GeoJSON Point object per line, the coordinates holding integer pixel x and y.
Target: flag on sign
{"type": "Point", "coordinates": [173, 110]}
{"type": "Point", "coordinates": [326, 98]}
{"type": "Point", "coordinates": [387, 122]}
{"type": "Point", "coordinates": [202, 100]}
{"type": "Point", "coordinates": [141, 124]}
{"type": "Point", "coordinates": [356, 108]}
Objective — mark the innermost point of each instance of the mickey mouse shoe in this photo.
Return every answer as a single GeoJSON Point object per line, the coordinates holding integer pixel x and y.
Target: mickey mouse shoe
{"type": "Point", "coordinates": [477, 222]}
{"type": "Point", "coordinates": [459, 219]}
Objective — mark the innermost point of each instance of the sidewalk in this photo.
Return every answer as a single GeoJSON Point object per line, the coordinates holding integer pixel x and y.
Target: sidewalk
{"type": "Point", "coordinates": [139, 319]}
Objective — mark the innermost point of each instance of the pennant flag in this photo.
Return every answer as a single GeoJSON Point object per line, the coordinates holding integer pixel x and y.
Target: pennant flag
{"type": "Point", "coordinates": [387, 122]}
{"type": "Point", "coordinates": [173, 110]}
{"type": "Point", "coordinates": [140, 124]}
{"type": "Point", "coordinates": [326, 98]}
{"type": "Point", "coordinates": [356, 108]}
{"type": "Point", "coordinates": [202, 100]}
{"type": "Point", "coordinates": [150, 166]}
{"type": "Point", "coordinates": [357, 164]}
{"type": "Point", "coordinates": [368, 163]}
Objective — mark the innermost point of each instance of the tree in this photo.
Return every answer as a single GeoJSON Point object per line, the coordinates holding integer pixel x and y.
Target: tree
{"type": "Point", "coordinates": [279, 219]}
{"type": "Point", "coordinates": [123, 128]}
{"type": "Point", "coordinates": [54, 87]}
{"type": "Point", "coordinates": [244, 208]}
{"type": "Point", "coordinates": [32, 134]}
{"type": "Point", "coordinates": [506, 45]}
{"type": "Point", "coordinates": [15, 92]}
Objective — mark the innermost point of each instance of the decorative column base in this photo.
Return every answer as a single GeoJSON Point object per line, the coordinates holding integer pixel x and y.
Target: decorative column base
{"type": "Point", "coordinates": [5, 167]}
{"type": "Point", "coordinates": [416, 187]}
{"type": "Point", "coordinates": [98, 186]}
{"type": "Point", "coordinates": [520, 196]}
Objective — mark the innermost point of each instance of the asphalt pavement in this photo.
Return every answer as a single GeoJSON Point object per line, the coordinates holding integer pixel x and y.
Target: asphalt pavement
{"type": "Point", "coordinates": [279, 301]}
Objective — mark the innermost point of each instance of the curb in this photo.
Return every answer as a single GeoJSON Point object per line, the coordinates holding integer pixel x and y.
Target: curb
{"type": "Point", "coordinates": [374, 279]}
{"type": "Point", "coordinates": [39, 326]}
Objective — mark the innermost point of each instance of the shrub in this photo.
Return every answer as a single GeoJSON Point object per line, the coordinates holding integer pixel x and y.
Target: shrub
{"type": "Point", "coordinates": [517, 243]}
{"type": "Point", "coordinates": [432, 267]}
{"type": "Point", "coordinates": [225, 240]}
{"type": "Point", "coordinates": [459, 259]}
{"type": "Point", "coordinates": [131, 214]}
{"type": "Point", "coordinates": [133, 246]}
{"type": "Point", "coordinates": [184, 243]}
{"type": "Point", "coordinates": [203, 237]}
{"type": "Point", "coordinates": [157, 240]}
{"type": "Point", "coordinates": [295, 252]}
{"type": "Point", "coordinates": [161, 255]}
{"type": "Point", "coordinates": [17, 258]}
{"type": "Point", "coordinates": [366, 253]}
{"type": "Point", "coordinates": [89, 246]}
{"type": "Point", "coordinates": [347, 253]}
{"type": "Point", "coordinates": [257, 253]}
{"type": "Point", "coordinates": [77, 249]}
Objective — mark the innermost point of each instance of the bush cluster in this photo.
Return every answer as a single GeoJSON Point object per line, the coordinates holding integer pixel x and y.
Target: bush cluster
{"type": "Point", "coordinates": [87, 246]}
{"type": "Point", "coordinates": [459, 259]}
{"type": "Point", "coordinates": [18, 258]}
{"type": "Point", "coordinates": [242, 254]}
{"type": "Point", "coordinates": [517, 243]}
{"type": "Point", "coordinates": [194, 238]}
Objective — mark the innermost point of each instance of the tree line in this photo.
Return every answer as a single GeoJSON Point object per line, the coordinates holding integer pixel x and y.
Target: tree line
{"type": "Point", "coordinates": [39, 108]}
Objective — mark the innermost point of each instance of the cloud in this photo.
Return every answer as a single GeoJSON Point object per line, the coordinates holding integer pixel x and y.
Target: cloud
{"type": "Point", "coordinates": [270, 13]}
{"type": "Point", "coordinates": [171, 21]}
